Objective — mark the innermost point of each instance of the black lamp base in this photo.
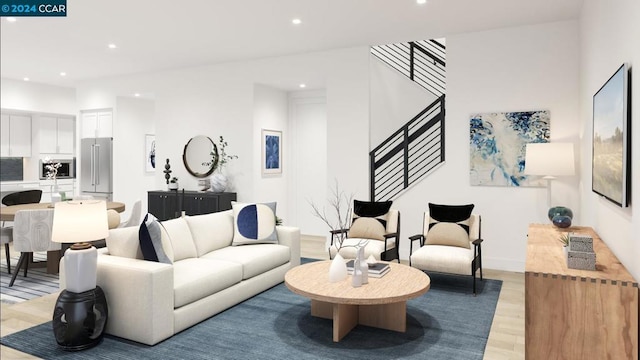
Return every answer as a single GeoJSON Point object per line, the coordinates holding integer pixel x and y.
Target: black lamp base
{"type": "Point", "coordinates": [79, 319]}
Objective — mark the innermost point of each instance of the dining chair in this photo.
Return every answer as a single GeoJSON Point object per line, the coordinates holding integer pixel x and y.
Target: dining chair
{"type": "Point", "coordinates": [22, 197]}
{"type": "Point", "coordinates": [32, 233]}
{"type": "Point", "coordinates": [136, 214]}
{"type": "Point", "coordinates": [6, 236]}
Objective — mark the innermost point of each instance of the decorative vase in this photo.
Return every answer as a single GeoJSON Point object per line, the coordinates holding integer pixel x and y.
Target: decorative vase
{"type": "Point", "coordinates": [364, 266]}
{"type": "Point", "coordinates": [173, 186]}
{"type": "Point", "coordinates": [561, 221]}
{"type": "Point", "coordinates": [559, 211]}
{"type": "Point", "coordinates": [55, 193]}
{"type": "Point", "coordinates": [218, 182]}
{"type": "Point", "coordinates": [356, 278]}
{"type": "Point", "coordinates": [338, 269]}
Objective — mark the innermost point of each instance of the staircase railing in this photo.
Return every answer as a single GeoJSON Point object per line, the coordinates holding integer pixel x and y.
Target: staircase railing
{"type": "Point", "coordinates": [423, 62]}
{"type": "Point", "coordinates": [408, 154]}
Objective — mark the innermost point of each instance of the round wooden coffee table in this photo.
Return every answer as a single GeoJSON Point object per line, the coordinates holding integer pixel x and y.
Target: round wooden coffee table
{"type": "Point", "coordinates": [381, 303]}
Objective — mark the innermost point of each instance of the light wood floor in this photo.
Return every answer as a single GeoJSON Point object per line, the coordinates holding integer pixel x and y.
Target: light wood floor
{"type": "Point", "coordinates": [506, 339]}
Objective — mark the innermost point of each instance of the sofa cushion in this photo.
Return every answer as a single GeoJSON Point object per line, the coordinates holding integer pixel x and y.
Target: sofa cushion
{"type": "Point", "coordinates": [449, 225]}
{"type": "Point", "coordinates": [373, 248]}
{"type": "Point", "coordinates": [446, 259]}
{"type": "Point", "coordinates": [181, 239]}
{"type": "Point", "coordinates": [197, 278]}
{"type": "Point", "coordinates": [254, 223]}
{"type": "Point", "coordinates": [150, 236]}
{"type": "Point", "coordinates": [255, 259]}
{"type": "Point", "coordinates": [211, 231]}
{"type": "Point", "coordinates": [124, 242]}
{"type": "Point", "coordinates": [369, 219]}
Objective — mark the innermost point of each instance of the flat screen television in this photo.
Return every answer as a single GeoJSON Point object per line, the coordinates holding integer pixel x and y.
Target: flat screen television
{"type": "Point", "coordinates": [611, 160]}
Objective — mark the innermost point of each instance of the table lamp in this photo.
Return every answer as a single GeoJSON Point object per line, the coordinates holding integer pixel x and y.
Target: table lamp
{"type": "Point", "coordinates": [80, 314]}
{"type": "Point", "coordinates": [78, 222]}
{"type": "Point", "coordinates": [549, 160]}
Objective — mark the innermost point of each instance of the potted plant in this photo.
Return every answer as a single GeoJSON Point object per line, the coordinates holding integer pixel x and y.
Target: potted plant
{"type": "Point", "coordinates": [219, 179]}
{"type": "Point", "coordinates": [564, 239]}
{"type": "Point", "coordinates": [173, 183]}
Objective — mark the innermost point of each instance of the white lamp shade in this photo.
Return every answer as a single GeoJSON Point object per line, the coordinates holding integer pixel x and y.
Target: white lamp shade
{"type": "Point", "coordinates": [549, 159]}
{"type": "Point", "coordinates": [80, 221]}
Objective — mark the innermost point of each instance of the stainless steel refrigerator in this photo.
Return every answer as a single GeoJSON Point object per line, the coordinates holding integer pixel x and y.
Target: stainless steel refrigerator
{"type": "Point", "coordinates": [96, 167]}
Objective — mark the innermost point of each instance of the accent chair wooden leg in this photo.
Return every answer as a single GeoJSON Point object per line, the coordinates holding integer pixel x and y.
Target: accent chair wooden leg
{"type": "Point", "coordinates": [23, 258]}
{"type": "Point", "coordinates": [6, 250]}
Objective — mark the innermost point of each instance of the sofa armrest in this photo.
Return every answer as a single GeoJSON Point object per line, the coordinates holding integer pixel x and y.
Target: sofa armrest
{"type": "Point", "coordinates": [139, 296]}
{"type": "Point", "coordinates": [290, 236]}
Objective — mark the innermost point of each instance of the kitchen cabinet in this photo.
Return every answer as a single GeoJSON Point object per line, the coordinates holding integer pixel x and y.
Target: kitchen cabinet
{"type": "Point", "coordinates": [57, 135]}
{"type": "Point", "coordinates": [166, 205]}
{"type": "Point", "coordinates": [97, 124]}
{"type": "Point", "coordinates": [15, 132]}
{"type": "Point", "coordinates": [577, 314]}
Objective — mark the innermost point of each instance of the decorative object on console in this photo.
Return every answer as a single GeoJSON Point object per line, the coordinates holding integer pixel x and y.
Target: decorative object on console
{"type": "Point", "coordinates": [167, 171]}
{"type": "Point", "coordinates": [497, 142]}
{"type": "Point", "coordinates": [80, 314]}
{"type": "Point", "coordinates": [219, 180]}
{"type": "Point", "coordinates": [173, 184]}
{"type": "Point", "coordinates": [271, 152]}
{"type": "Point", "coordinates": [254, 223]}
{"type": "Point", "coordinates": [550, 160]}
{"type": "Point", "coordinates": [580, 254]}
{"type": "Point", "coordinates": [611, 175]}
{"type": "Point", "coordinates": [560, 216]}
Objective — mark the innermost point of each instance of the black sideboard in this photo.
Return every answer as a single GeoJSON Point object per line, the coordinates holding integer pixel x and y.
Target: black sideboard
{"type": "Point", "coordinates": [169, 204]}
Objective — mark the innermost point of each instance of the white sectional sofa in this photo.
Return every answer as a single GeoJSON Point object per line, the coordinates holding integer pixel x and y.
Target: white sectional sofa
{"type": "Point", "coordinates": [150, 301]}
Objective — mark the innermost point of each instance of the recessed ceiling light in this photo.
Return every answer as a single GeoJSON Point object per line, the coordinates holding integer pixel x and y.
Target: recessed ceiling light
{"type": "Point", "coordinates": [303, 86]}
{"type": "Point", "coordinates": [112, 46]}
{"type": "Point", "coordinates": [25, 79]}
{"type": "Point", "coordinates": [12, 19]}
{"type": "Point", "coordinates": [420, 2]}
{"type": "Point", "coordinates": [63, 74]}
{"type": "Point", "coordinates": [296, 21]}
{"type": "Point", "coordinates": [136, 94]}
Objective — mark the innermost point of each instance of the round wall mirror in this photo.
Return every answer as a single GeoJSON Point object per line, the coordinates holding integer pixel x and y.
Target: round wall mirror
{"type": "Point", "coordinates": [200, 156]}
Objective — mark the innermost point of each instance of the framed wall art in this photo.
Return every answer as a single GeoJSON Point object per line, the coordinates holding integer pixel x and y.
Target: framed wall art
{"type": "Point", "coordinates": [611, 158]}
{"type": "Point", "coordinates": [271, 152]}
{"type": "Point", "coordinates": [149, 153]}
{"type": "Point", "coordinates": [497, 146]}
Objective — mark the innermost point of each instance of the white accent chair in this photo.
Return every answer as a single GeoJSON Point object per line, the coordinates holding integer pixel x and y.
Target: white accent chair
{"type": "Point", "coordinates": [136, 214]}
{"type": "Point", "coordinates": [32, 233]}
{"type": "Point", "coordinates": [447, 258]}
{"type": "Point", "coordinates": [384, 248]}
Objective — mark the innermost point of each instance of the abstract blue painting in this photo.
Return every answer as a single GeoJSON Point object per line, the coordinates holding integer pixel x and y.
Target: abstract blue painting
{"type": "Point", "coordinates": [497, 142]}
{"type": "Point", "coordinates": [271, 152]}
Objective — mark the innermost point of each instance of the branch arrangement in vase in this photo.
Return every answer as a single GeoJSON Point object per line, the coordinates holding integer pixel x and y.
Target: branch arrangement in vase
{"type": "Point", "coordinates": [223, 157]}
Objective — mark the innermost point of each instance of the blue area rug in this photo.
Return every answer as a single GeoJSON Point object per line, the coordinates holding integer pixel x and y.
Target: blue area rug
{"type": "Point", "coordinates": [448, 322]}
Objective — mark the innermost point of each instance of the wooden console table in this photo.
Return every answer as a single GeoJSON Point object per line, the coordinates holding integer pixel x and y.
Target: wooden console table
{"type": "Point", "coordinates": [577, 314]}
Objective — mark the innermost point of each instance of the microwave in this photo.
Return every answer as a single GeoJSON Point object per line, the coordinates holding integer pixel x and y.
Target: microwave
{"type": "Point", "coordinates": [65, 171]}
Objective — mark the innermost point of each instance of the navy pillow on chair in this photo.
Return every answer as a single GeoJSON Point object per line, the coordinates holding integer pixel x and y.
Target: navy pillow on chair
{"type": "Point", "coordinates": [449, 225]}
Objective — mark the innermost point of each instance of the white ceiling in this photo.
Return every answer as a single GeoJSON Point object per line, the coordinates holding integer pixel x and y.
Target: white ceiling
{"type": "Point", "coordinates": [154, 35]}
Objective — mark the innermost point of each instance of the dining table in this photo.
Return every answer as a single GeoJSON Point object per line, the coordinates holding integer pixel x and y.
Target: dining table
{"type": "Point", "coordinates": [8, 213]}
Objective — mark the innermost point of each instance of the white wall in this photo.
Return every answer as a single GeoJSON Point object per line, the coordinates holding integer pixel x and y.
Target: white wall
{"type": "Point", "coordinates": [610, 33]}
{"type": "Point", "coordinates": [270, 112]}
{"type": "Point", "coordinates": [514, 69]}
{"type": "Point", "coordinates": [219, 100]}
{"type": "Point", "coordinates": [394, 100]}
{"type": "Point", "coordinates": [130, 181]}
{"type": "Point", "coordinates": [308, 180]}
